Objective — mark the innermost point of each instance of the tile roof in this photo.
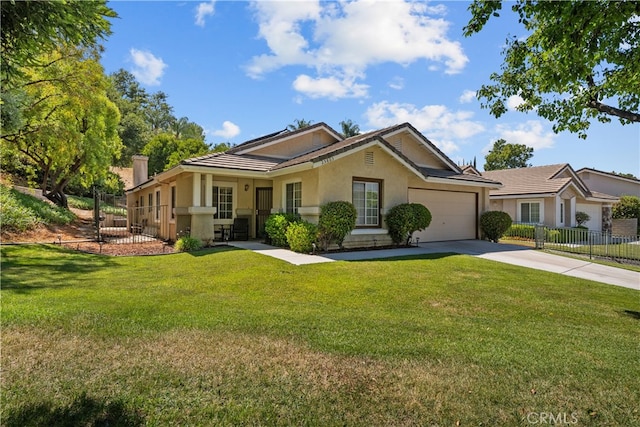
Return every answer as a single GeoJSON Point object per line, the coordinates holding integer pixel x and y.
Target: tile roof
{"type": "Point", "coordinates": [233, 161]}
{"type": "Point", "coordinates": [610, 174]}
{"type": "Point", "coordinates": [531, 180]}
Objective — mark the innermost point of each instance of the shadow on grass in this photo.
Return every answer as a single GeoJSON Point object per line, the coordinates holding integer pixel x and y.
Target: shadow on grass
{"type": "Point", "coordinates": [213, 250]}
{"type": "Point", "coordinates": [84, 411]}
{"type": "Point", "coordinates": [408, 257]}
{"type": "Point", "coordinates": [22, 268]}
{"type": "Point", "coordinates": [631, 313]}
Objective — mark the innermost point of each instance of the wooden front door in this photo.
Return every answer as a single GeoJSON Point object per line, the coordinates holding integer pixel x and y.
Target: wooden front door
{"type": "Point", "coordinates": [264, 203]}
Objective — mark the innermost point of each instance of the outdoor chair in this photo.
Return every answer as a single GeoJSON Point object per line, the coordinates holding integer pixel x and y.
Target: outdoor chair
{"type": "Point", "coordinates": [240, 229]}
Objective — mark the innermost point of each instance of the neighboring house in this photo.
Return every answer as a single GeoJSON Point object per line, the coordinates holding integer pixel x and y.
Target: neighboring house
{"type": "Point", "coordinates": [549, 195]}
{"type": "Point", "coordinates": [299, 171]}
{"type": "Point", "coordinates": [125, 174]}
{"type": "Point", "coordinates": [609, 183]}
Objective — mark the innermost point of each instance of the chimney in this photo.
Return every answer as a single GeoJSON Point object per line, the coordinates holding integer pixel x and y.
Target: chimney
{"type": "Point", "coordinates": [140, 169]}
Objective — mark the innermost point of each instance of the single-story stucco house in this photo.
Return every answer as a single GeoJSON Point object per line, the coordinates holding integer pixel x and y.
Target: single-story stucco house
{"type": "Point", "coordinates": [609, 183]}
{"type": "Point", "coordinates": [549, 195]}
{"type": "Point", "coordinates": [299, 171]}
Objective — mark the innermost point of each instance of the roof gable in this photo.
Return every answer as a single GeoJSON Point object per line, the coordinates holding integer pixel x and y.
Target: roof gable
{"type": "Point", "coordinates": [536, 180]}
{"type": "Point", "coordinates": [288, 144]}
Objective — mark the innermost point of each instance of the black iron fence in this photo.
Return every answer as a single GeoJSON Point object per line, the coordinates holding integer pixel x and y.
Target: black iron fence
{"type": "Point", "coordinates": [578, 240]}
{"type": "Point", "coordinates": [134, 225]}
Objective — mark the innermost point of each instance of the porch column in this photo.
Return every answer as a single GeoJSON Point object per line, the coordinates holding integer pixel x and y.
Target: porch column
{"type": "Point", "coordinates": [208, 192]}
{"type": "Point", "coordinates": [197, 189]}
{"type": "Point", "coordinates": [572, 212]}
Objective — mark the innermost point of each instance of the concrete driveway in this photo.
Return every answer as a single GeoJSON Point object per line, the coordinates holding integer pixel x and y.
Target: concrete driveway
{"type": "Point", "coordinates": [508, 254]}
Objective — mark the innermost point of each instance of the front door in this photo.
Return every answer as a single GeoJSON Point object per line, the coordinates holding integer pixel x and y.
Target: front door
{"type": "Point", "coordinates": [264, 203]}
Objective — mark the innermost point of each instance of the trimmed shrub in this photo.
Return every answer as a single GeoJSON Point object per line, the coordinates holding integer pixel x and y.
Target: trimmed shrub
{"type": "Point", "coordinates": [301, 235]}
{"type": "Point", "coordinates": [494, 224]}
{"type": "Point", "coordinates": [188, 244]}
{"type": "Point", "coordinates": [521, 231]}
{"type": "Point", "coordinates": [404, 219]}
{"type": "Point", "coordinates": [582, 217]}
{"type": "Point", "coordinates": [337, 219]}
{"type": "Point", "coordinates": [276, 226]}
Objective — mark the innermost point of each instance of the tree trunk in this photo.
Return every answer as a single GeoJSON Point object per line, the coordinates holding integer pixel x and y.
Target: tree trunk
{"type": "Point", "coordinates": [58, 197]}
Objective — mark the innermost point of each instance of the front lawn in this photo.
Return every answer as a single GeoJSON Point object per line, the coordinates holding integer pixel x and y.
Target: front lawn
{"type": "Point", "coordinates": [230, 337]}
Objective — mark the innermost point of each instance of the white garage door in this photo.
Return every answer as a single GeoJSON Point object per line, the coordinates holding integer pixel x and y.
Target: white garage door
{"type": "Point", "coordinates": [595, 212]}
{"type": "Point", "coordinates": [453, 214]}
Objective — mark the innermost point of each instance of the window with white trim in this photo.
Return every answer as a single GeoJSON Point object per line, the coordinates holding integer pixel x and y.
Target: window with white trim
{"type": "Point", "coordinates": [366, 199]}
{"type": "Point", "coordinates": [562, 212]}
{"type": "Point", "coordinates": [223, 202]}
{"type": "Point", "coordinates": [172, 206]}
{"type": "Point", "coordinates": [293, 197]}
{"type": "Point", "coordinates": [530, 212]}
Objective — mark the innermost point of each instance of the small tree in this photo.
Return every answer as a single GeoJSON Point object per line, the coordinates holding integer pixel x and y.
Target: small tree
{"type": "Point", "coordinates": [404, 219]}
{"type": "Point", "coordinates": [581, 218]}
{"type": "Point", "coordinates": [337, 219]}
{"type": "Point", "coordinates": [627, 207]}
{"type": "Point", "coordinates": [494, 224]}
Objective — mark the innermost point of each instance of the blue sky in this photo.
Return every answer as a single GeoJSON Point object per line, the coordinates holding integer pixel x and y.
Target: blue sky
{"type": "Point", "coordinates": [245, 69]}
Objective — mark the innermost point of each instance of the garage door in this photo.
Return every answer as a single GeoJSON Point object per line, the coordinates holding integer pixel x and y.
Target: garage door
{"type": "Point", "coordinates": [453, 214]}
{"type": "Point", "coordinates": [595, 212]}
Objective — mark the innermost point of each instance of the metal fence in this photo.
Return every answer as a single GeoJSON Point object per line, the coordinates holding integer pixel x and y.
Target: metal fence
{"type": "Point", "coordinates": [577, 240]}
{"type": "Point", "coordinates": [134, 225]}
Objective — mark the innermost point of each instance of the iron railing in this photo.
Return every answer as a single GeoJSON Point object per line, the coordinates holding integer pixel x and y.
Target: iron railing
{"type": "Point", "coordinates": [578, 240]}
{"type": "Point", "coordinates": [137, 225]}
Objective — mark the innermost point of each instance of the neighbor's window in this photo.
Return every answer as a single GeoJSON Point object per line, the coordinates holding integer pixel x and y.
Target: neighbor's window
{"type": "Point", "coordinates": [223, 201]}
{"type": "Point", "coordinates": [173, 202]}
{"type": "Point", "coordinates": [530, 212]}
{"type": "Point", "coordinates": [158, 205]}
{"type": "Point", "coordinates": [150, 202]}
{"type": "Point", "coordinates": [366, 199]}
{"type": "Point", "coordinates": [293, 197]}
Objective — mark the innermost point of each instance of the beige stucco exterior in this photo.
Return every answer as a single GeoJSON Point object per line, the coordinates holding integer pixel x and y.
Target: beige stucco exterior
{"type": "Point", "coordinates": [326, 179]}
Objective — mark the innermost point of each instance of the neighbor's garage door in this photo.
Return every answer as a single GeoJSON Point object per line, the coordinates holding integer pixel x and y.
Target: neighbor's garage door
{"type": "Point", "coordinates": [453, 214]}
{"type": "Point", "coordinates": [595, 212]}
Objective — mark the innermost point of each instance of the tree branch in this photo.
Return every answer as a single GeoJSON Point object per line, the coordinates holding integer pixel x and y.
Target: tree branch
{"type": "Point", "coordinates": [613, 111]}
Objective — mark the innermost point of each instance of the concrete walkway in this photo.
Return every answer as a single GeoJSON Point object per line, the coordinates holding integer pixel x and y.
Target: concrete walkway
{"type": "Point", "coordinates": [509, 254]}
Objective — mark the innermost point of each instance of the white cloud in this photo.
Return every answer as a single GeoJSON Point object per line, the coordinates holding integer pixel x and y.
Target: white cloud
{"type": "Point", "coordinates": [467, 96]}
{"type": "Point", "coordinates": [329, 87]}
{"type": "Point", "coordinates": [443, 127]}
{"type": "Point", "coordinates": [228, 131]}
{"type": "Point", "coordinates": [531, 133]}
{"type": "Point", "coordinates": [203, 10]}
{"type": "Point", "coordinates": [148, 69]}
{"type": "Point", "coordinates": [514, 101]}
{"type": "Point", "coordinates": [397, 83]}
{"type": "Point", "coordinates": [323, 37]}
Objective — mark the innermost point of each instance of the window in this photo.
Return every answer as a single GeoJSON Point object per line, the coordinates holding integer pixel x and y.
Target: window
{"type": "Point", "coordinates": [293, 197]}
{"type": "Point", "coordinates": [562, 212]}
{"type": "Point", "coordinates": [150, 202]}
{"type": "Point", "coordinates": [223, 201]}
{"type": "Point", "coordinates": [530, 212]}
{"type": "Point", "coordinates": [173, 202]}
{"type": "Point", "coordinates": [141, 203]}
{"type": "Point", "coordinates": [366, 199]}
{"type": "Point", "coordinates": [157, 205]}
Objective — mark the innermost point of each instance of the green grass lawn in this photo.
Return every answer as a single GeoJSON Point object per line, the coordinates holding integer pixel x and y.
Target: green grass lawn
{"type": "Point", "coordinates": [230, 337]}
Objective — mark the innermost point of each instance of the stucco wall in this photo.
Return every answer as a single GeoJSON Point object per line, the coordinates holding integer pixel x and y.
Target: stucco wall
{"type": "Point", "coordinates": [610, 185]}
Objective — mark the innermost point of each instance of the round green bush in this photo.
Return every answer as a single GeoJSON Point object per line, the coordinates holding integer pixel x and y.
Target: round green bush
{"type": "Point", "coordinates": [337, 219]}
{"type": "Point", "coordinates": [301, 235]}
{"type": "Point", "coordinates": [494, 224]}
{"type": "Point", "coordinates": [404, 219]}
{"type": "Point", "coordinates": [276, 226]}
{"type": "Point", "coordinates": [627, 207]}
{"type": "Point", "coordinates": [188, 244]}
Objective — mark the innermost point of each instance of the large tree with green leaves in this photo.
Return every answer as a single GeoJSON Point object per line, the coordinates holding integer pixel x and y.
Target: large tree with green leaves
{"type": "Point", "coordinates": [507, 156]}
{"type": "Point", "coordinates": [68, 126]}
{"type": "Point", "coordinates": [31, 28]}
{"type": "Point", "coordinates": [165, 151]}
{"type": "Point", "coordinates": [579, 61]}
